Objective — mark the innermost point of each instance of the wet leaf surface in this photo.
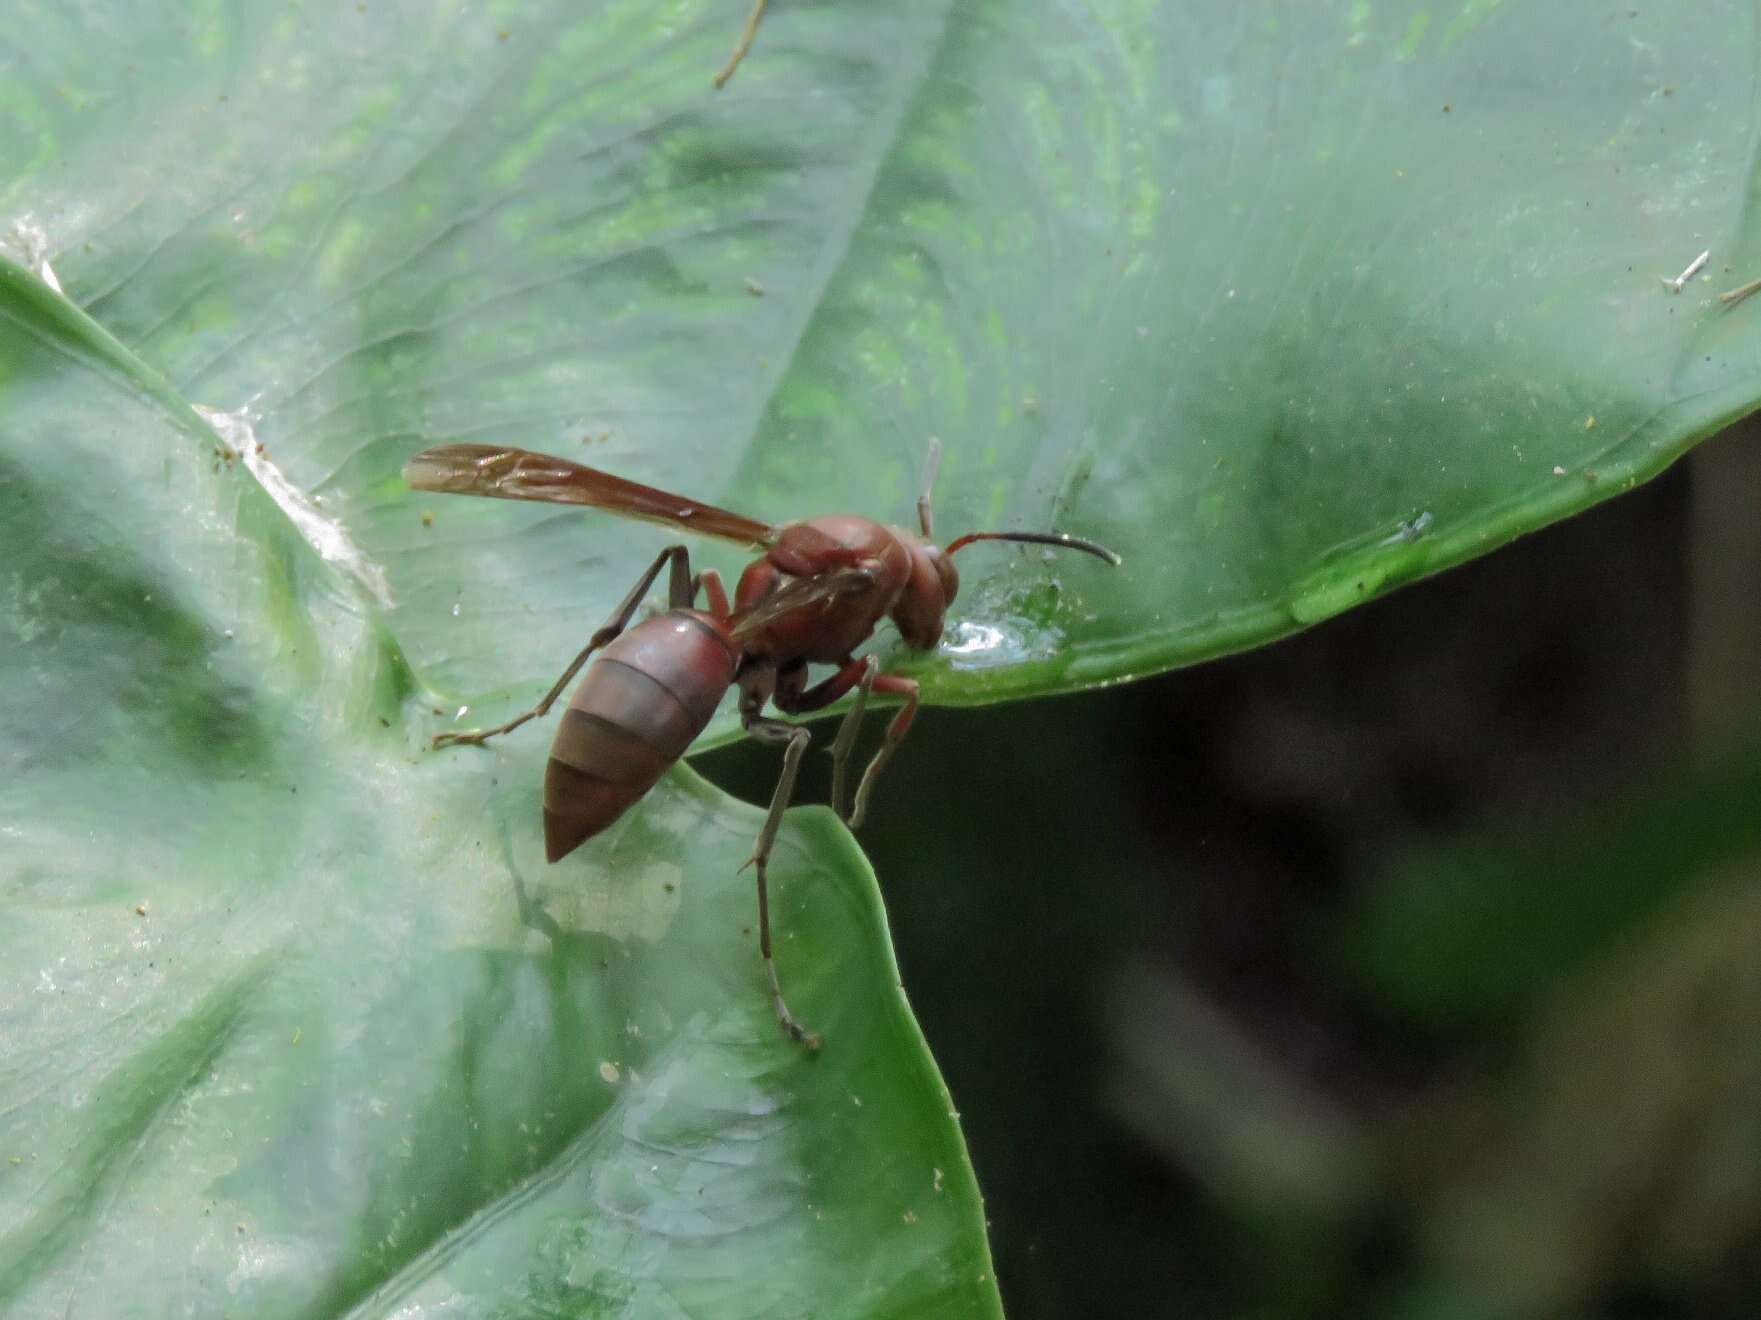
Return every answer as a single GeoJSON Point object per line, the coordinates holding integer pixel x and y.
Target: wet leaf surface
{"type": "Point", "coordinates": [1288, 307]}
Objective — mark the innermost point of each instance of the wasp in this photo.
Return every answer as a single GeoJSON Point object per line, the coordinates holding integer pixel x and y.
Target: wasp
{"type": "Point", "coordinates": [813, 596]}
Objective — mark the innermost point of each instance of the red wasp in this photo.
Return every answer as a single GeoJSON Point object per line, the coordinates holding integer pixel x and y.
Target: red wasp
{"type": "Point", "coordinates": [814, 596]}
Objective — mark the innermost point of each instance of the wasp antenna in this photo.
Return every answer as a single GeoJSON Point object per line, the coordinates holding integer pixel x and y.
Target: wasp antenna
{"type": "Point", "coordinates": [931, 464]}
{"type": "Point", "coordinates": [1061, 539]}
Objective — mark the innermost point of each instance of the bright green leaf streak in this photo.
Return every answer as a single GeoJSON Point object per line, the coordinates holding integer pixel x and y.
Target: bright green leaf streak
{"type": "Point", "coordinates": [1288, 305]}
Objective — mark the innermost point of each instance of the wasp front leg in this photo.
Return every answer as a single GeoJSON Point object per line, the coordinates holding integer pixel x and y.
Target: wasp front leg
{"type": "Point", "coordinates": [899, 686]}
{"type": "Point", "coordinates": [863, 676]}
{"type": "Point", "coordinates": [852, 674]}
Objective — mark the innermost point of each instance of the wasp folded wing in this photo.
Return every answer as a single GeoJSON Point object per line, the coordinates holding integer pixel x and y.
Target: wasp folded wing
{"type": "Point", "coordinates": [521, 474]}
{"type": "Point", "coordinates": [803, 594]}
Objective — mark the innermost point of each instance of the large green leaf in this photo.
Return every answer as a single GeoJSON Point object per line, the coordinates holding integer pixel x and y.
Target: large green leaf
{"type": "Point", "coordinates": [296, 1019]}
{"type": "Point", "coordinates": [1288, 303]}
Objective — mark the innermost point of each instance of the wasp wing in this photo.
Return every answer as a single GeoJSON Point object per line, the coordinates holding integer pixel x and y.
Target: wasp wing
{"type": "Point", "coordinates": [803, 594]}
{"type": "Point", "coordinates": [520, 474]}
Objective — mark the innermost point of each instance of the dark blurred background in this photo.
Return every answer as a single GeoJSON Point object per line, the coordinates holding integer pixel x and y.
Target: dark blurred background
{"type": "Point", "coordinates": [1408, 968]}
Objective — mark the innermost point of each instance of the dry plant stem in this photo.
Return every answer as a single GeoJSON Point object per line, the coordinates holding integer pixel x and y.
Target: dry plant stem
{"type": "Point", "coordinates": [747, 34]}
{"type": "Point", "coordinates": [1734, 296]}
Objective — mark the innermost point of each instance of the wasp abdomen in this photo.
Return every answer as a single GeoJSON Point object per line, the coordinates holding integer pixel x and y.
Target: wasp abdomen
{"type": "Point", "coordinates": [647, 695]}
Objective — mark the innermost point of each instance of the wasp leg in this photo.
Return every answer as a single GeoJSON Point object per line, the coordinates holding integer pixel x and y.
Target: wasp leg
{"type": "Point", "coordinates": [931, 463]}
{"type": "Point", "coordinates": [796, 737]}
{"type": "Point", "coordinates": [858, 674]}
{"type": "Point", "coordinates": [846, 739]}
{"type": "Point", "coordinates": [680, 590]}
{"type": "Point", "coordinates": [896, 731]}
{"type": "Point", "coordinates": [715, 595]}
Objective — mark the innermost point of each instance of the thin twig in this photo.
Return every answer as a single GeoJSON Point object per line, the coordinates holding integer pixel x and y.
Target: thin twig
{"type": "Point", "coordinates": [746, 37]}
{"type": "Point", "coordinates": [1736, 295]}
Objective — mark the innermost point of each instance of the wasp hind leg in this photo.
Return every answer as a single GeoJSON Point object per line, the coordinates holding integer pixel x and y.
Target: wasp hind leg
{"type": "Point", "coordinates": [681, 591]}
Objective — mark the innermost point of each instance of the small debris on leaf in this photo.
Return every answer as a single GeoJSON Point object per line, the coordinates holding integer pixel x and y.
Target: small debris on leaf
{"type": "Point", "coordinates": [1694, 266]}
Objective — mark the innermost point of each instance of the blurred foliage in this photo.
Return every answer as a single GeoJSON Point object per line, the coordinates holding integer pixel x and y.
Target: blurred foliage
{"type": "Point", "coordinates": [1402, 970]}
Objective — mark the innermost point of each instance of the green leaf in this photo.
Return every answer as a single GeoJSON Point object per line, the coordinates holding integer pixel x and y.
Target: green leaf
{"type": "Point", "coordinates": [1287, 304]}
{"type": "Point", "coordinates": [296, 1016]}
